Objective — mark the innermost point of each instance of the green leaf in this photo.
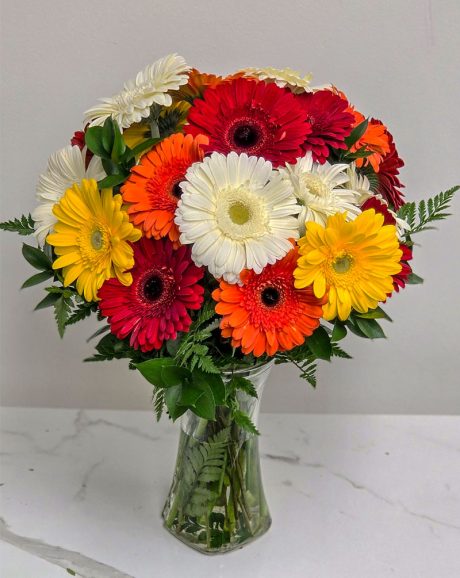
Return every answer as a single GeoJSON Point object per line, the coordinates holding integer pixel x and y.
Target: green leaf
{"type": "Point", "coordinates": [93, 140]}
{"type": "Point", "coordinates": [356, 133]}
{"type": "Point", "coordinates": [190, 395]}
{"type": "Point", "coordinates": [370, 328]}
{"type": "Point", "coordinates": [119, 145]}
{"type": "Point", "coordinates": [61, 313]}
{"type": "Point", "coordinates": [70, 571]}
{"type": "Point", "coordinates": [377, 313]}
{"type": "Point", "coordinates": [100, 331]}
{"type": "Point", "coordinates": [245, 422]}
{"type": "Point", "coordinates": [172, 396]}
{"type": "Point", "coordinates": [320, 344]}
{"type": "Point", "coordinates": [339, 331]}
{"type": "Point", "coordinates": [414, 279]}
{"type": "Point", "coordinates": [36, 258]}
{"type": "Point", "coordinates": [337, 351]}
{"type": "Point", "coordinates": [427, 212]}
{"type": "Point", "coordinates": [152, 369]}
{"type": "Point", "coordinates": [23, 226]}
{"type": "Point", "coordinates": [112, 181]}
{"type": "Point", "coordinates": [205, 406]}
{"type": "Point", "coordinates": [36, 279]}
{"type": "Point", "coordinates": [243, 384]}
{"type": "Point", "coordinates": [174, 375]}
{"type": "Point", "coordinates": [108, 135]}
{"type": "Point", "coordinates": [48, 301]}
{"type": "Point", "coordinates": [210, 382]}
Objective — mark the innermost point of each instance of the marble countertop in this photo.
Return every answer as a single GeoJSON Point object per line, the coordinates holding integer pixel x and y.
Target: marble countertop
{"type": "Point", "coordinates": [350, 496]}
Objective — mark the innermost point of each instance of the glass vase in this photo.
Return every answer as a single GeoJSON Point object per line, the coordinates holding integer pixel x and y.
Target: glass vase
{"type": "Point", "coordinates": [217, 502]}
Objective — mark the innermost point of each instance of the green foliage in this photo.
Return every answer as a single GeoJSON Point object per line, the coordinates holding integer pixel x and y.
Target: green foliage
{"type": "Point", "coordinates": [303, 359]}
{"type": "Point", "coordinates": [414, 279]}
{"type": "Point", "coordinates": [337, 351]}
{"type": "Point", "coordinates": [363, 327]}
{"type": "Point", "coordinates": [377, 313]}
{"type": "Point", "coordinates": [117, 158]}
{"type": "Point", "coordinates": [192, 352]}
{"type": "Point", "coordinates": [23, 226]}
{"type": "Point", "coordinates": [37, 278]}
{"type": "Point", "coordinates": [110, 347]}
{"type": "Point", "coordinates": [339, 331]}
{"type": "Point", "coordinates": [419, 217]}
{"type": "Point", "coordinates": [37, 258]}
{"type": "Point", "coordinates": [238, 382]}
{"type": "Point", "coordinates": [245, 422]}
{"type": "Point", "coordinates": [203, 464]}
{"type": "Point", "coordinates": [158, 401]}
{"type": "Point", "coordinates": [62, 308]}
{"type": "Point", "coordinates": [319, 344]}
{"type": "Point", "coordinates": [357, 133]}
{"type": "Point", "coordinates": [81, 311]}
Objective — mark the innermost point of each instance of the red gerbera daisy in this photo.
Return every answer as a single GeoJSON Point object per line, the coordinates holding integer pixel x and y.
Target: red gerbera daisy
{"type": "Point", "coordinates": [267, 313]}
{"type": "Point", "coordinates": [388, 181]}
{"type": "Point", "coordinates": [153, 188]}
{"type": "Point", "coordinates": [250, 117]}
{"type": "Point", "coordinates": [154, 308]}
{"type": "Point", "coordinates": [78, 140]}
{"type": "Point", "coordinates": [329, 120]}
{"type": "Point", "coordinates": [400, 280]}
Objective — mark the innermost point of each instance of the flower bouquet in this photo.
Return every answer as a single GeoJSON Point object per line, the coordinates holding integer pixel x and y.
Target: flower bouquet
{"type": "Point", "coordinates": [218, 225]}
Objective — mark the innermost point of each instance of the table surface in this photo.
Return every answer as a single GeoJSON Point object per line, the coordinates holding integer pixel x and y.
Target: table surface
{"type": "Point", "coordinates": [350, 496]}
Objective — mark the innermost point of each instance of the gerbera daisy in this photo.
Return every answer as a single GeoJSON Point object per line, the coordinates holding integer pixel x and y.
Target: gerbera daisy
{"type": "Point", "coordinates": [282, 77]}
{"type": "Point", "coordinates": [375, 139]}
{"type": "Point", "coordinates": [354, 260]}
{"type": "Point", "coordinates": [252, 117]}
{"type": "Point", "coordinates": [359, 183]}
{"type": "Point", "coordinates": [65, 168]}
{"type": "Point", "coordinates": [238, 213]}
{"type": "Point", "coordinates": [197, 83]}
{"type": "Point", "coordinates": [152, 190]}
{"type": "Point", "coordinates": [150, 86]}
{"type": "Point", "coordinates": [320, 190]}
{"type": "Point", "coordinates": [329, 120]}
{"type": "Point", "coordinates": [91, 238]}
{"type": "Point", "coordinates": [155, 306]}
{"type": "Point", "coordinates": [387, 177]}
{"type": "Point", "coordinates": [267, 313]}
{"type": "Point", "coordinates": [400, 279]}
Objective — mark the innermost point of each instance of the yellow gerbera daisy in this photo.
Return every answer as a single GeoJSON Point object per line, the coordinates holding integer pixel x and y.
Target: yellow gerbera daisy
{"type": "Point", "coordinates": [354, 261]}
{"type": "Point", "coordinates": [91, 238]}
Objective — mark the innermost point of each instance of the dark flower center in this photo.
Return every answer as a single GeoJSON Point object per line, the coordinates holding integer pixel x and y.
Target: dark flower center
{"type": "Point", "coordinates": [246, 136]}
{"type": "Point", "coordinates": [153, 288]}
{"type": "Point", "coordinates": [176, 190]}
{"type": "Point", "coordinates": [270, 296]}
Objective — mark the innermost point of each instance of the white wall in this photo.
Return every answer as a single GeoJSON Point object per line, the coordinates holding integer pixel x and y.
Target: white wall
{"type": "Point", "coordinates": [395, 60]}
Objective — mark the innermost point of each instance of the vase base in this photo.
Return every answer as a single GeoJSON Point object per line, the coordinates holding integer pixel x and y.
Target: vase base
{"type": "Point", "coordinates": [205, 546]}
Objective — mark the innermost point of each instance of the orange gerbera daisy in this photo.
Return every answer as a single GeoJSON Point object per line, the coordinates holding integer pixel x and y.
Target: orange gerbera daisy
{"type": "Point", "coordinates": [152, 190]}
{"type": "Point", "coordinates": [267, 313]}
{"type": "Point", "coordinates": [375, 139]}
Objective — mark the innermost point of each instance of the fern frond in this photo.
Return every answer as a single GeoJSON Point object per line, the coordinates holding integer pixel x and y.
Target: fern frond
{"type": "Point", "coordinates": [158, 400]}
{"type": "Point", "coordinates": [24, 225]}
{"type": "Point", "coordinates": [337, 351]}
{"type": "Point", "coordinates": [434, 209]}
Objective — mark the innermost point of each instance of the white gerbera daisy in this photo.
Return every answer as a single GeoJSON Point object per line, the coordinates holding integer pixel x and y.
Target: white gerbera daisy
{"type": "Point", "coordinates": [282, 77]}
{"type": "Point", "coordinates": [318, 190]}
{"type": "Point", "coordinates": [151, 85]}
{"type": "Point", "coordinates": [358, 183]}
{"type": "Point", "coordinates": [65, 168]}
{"type": "Point", "coordinates": [238, 213]}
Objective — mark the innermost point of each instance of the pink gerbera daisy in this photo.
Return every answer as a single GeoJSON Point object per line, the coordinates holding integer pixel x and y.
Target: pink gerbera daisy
{"type": "Point", "coordinates": [155, 307]}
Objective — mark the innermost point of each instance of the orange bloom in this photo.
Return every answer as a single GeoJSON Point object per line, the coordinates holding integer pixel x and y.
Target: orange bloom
{"type": "Point", "coordinates": [267, 313]}
{"type": "Point", "coordinates": [375, 139]}
{"type": "Point", "coordinates": [152, 190]}
{"type": "Point", "coordinates": [197, 83]}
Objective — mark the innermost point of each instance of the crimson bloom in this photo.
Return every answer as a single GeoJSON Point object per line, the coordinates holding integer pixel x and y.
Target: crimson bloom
{"type": "Point", "coordinates": [388, 181]}
{"type": "Point", "coordinates": [400, 280]}
{"type": "Point", "coordinates": [330, 122]}
{"type": "Point", "coordinates": [247, 116]}
{"type": "Point", "coordinates": [155, 307]}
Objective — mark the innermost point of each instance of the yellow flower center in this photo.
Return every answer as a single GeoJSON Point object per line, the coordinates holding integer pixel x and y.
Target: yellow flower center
{"type": "Point", "coordinates": [342, 263]}
{"type": "Point", "coordinates": [97, 240]}
{"type": "Point", "coordinates": [315, 185]}
{"type": "Point", "coordinates": [239, 213]}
